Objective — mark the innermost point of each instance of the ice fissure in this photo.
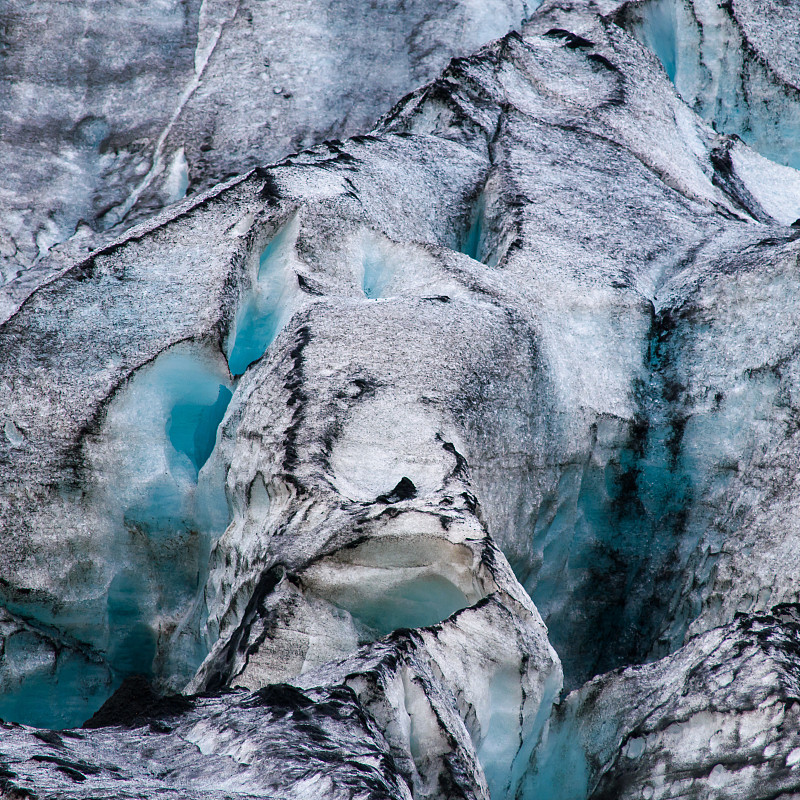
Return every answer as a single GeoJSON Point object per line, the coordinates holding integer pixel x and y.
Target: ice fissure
{"type": "Point", "coordinates": [715, 55]}
{"type": "Point", "coordinates": [453, 460]}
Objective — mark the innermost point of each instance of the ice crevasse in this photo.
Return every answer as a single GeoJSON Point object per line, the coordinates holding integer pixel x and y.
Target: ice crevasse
{"type": "Point", "coordinates": [454, 460]}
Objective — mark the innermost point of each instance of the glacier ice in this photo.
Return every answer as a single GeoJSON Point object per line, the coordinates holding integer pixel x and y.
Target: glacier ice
{"type": "Point", "coordinates": [37, 667]}
{"type": "Point", "coordinates": [716, 717]}
{"type": "Point", "coordinates": [177, 180]}
{"type": "Point", "coordinates": [113, 161]}
{"type": "Point", "coordinates": [267, 306]}
{"type": "Point", "coordinates": [157, 511]}
{"type": "Point", "coordinates": [738, 84]}
{"type": "Point", "coordinates": [381, 262]}
{"type": "Point", "coordinates": [472, 244]}
{"type": "Point", "coordinates": [452, 460]}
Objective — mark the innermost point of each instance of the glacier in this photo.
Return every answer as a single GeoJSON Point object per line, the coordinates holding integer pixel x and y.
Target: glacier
{"type": "Point", "coordinates": [449, 453]}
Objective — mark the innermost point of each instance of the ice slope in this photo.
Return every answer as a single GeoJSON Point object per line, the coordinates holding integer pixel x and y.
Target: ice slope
{"type": "Point", "coordinates": [339, 438]}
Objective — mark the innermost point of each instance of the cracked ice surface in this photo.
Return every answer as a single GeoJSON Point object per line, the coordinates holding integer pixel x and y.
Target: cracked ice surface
{"type": "Point", "coordinates": [83, 159]}
{"type": "Point", "coordinates": [371, 451]}
{"type": "Point", "coordinates": [731, 67]}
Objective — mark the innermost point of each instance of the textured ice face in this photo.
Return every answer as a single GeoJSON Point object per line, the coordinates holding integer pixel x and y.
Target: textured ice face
{"type": "Point", "coordinates": [720, 63]}
{"type": "Point", "coordinates": [155, 506]}
{"type": "Point", "coordinates": [302, 429]}
{"type": "Point", "coordinates": [715, 718]}
{"type": "Point", "coordinates": [165, 506]}
{"type": "Point", "coordinates": [36, 669]}
{"type": "Point", "coordinates": [288, 78]}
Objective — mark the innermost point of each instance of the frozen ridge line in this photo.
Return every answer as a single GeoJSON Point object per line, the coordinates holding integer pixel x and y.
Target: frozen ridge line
{"type": "Point", "coordinates": [457, 460]}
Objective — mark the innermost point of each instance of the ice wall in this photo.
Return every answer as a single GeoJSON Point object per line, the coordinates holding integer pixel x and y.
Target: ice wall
{"type": "Point", "coordinates": [716, 70]}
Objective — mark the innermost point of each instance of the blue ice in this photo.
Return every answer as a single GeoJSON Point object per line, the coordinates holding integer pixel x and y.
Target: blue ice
{"type": "Point", "coordinates": [192, 427]}
{"type": "Point", "coordinates": [711, 71]}
{"type": "Point", "coordinates": [560, 770]}
{"type": "Point", "coordinates": [48, 686]}
{"type": "Point", "coordinates": [164, 505]}
{"type": "Point", "coordinates": [473, 244]}
{"type": "Point", "coordinates": [377, 276]}
{"type": "Point", "coordinates": [423, 601]}
{"type": "Point", "coordinates": [660, 35]}
{"type": "Point", "coordinates": [266, 307]}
